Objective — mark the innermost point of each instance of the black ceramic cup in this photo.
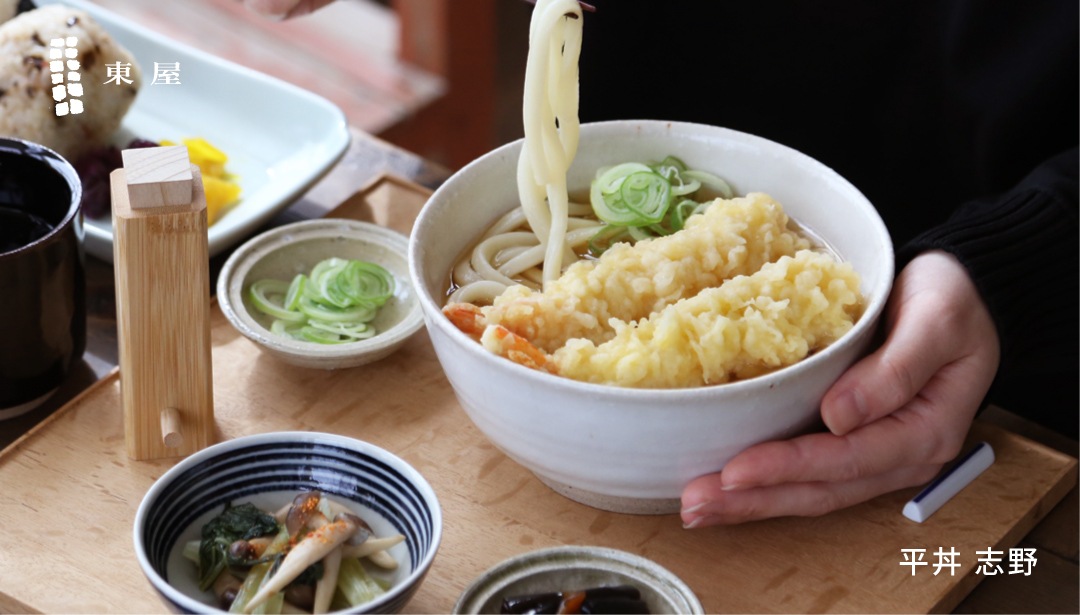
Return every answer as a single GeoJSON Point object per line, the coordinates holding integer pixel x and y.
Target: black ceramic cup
{"type": "Point", "coordinates": [42, 274]}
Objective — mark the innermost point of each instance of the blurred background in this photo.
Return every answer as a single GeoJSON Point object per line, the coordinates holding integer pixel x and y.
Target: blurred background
{"type": "Point", "coordinates": [441, 78]}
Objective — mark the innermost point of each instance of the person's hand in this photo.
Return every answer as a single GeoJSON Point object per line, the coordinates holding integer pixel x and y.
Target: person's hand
{"type": "Point", "coordinates": [285, 9]}
{"type": "Point", "coordinates": [894, 418]}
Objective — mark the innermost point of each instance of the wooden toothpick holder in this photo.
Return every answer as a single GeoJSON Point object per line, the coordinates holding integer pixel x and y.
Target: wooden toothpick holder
{"type": "Point", "coordinates": [161, 262]}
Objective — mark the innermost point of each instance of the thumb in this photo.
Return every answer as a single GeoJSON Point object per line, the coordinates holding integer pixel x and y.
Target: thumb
{"type": "Point", "coordinates": [889, 378]}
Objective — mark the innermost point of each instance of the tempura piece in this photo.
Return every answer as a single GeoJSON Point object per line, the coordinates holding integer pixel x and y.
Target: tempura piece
{"type": "Point", "coordinates": [732, 237]}
{"type": "Point", "coordinates": [747, 326]}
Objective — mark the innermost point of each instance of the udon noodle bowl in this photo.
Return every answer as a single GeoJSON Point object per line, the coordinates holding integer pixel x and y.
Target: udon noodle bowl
{"type": "Point", "coordinates": [662, 276]}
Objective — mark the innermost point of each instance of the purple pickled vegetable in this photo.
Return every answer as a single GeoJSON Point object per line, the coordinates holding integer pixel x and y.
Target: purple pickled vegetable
{"type": "Point", "coordinates": [137, 143]}
{"type": "Point", "coordinates": [94, 168]}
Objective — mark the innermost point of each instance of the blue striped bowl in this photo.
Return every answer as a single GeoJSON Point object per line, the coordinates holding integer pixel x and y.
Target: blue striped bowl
{"type": "Point", "coordinates": [269, 470]}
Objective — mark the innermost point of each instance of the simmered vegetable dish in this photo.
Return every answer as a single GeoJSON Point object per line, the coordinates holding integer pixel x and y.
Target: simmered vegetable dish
{"type": "Point", "coordinates": [313, 554]}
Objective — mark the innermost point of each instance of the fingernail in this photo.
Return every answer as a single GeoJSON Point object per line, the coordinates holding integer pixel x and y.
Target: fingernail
{"type": "Point", "coordinates": [852, 411]}
{"type": "Point", "coordinates": [696, 521]}
{"type": "Point", "coordinates": [695, 508]}
{"type": "Point", "coordinates": [731, 487]}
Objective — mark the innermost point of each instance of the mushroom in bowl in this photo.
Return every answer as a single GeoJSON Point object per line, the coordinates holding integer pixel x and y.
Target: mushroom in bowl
{"type": "Point", "coordinates": [249, 519]}
{"type": "Point", "coordinates": [633, 449]}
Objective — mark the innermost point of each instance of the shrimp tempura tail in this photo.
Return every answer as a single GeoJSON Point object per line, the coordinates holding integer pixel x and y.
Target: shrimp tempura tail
{"type": "Point", "coordinates": [496, 338]}
{"type": "Point", "coordinates": [499, 340]}
{"type": "Point", "coordinates": [466, 317]}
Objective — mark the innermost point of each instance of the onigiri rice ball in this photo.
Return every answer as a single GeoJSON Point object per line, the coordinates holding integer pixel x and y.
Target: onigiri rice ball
{"type": "Point", "coordinates": [71, 102]}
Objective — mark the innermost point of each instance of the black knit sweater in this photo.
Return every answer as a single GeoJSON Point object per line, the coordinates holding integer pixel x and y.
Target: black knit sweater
{"type": "Point", "coordinates": [957, 118]}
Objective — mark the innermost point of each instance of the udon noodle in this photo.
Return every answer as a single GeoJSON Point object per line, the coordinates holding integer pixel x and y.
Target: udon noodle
{"type": "Point", "coordinates": [533, 244]}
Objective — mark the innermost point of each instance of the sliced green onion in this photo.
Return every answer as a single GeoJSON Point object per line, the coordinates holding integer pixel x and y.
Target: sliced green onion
{"type": "Point", "coordinates": [669, 167]}
{"type": "Point", "coordinates": [681, 212]}
{"type": "Point", "coordinates": [329, 313]}
{"type": "Point", "coordinates": [659, 230]}
{"type": "Point", "coordinates": [321, 336]}
{"type": "Point", "coordinates": [287, 329]}
{"type": "Point", "coordinates": [296, 290]}
{"type": "Point", "coordinates": [262, 295]}
{"type": "Point", "coordinates": [683, 187]}
{"type": "Point", "coordinates": [713, 181]}
{"type": "Point", "coordinates": [639, 233]}
{"type": "Point", "coordinates": [364, 282]}
{"type": "Point", "coordinates": [630, 194]}
{"type": "Point", "coordinates": [355, 331]}
{"type": "Point", "coordinates": [328, 289]}
{"type": "Point", "coordinates": [605, 190]}
{"type": "Point", "coordinates": [635, 200]}
{"type": "Point", "coordinates": [322, 266]}
{"type": "Point", "coordinates": [334, 304]}
{"type": "Point", "coordinates": [648, 194]}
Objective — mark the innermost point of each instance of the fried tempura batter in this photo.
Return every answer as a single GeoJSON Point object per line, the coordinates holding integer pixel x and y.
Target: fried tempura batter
{"type": "Point", "coordinates": [747, 326]}
{"type": "Point", "coordinates": [734, 295]}
{"type": "Point", "coordinates": [732, 237]}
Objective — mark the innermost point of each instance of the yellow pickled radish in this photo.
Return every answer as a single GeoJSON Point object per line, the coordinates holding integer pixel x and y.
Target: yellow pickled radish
{"type": "Point", "coordinates": [210, 159]}
{"type": "Point", "coordinates": [218, 184]}
{"type": "Point", "coordinates": [220, 194]}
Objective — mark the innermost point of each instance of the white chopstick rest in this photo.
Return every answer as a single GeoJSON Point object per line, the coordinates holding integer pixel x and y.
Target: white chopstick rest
{"type": "Point", "coordinates": [949, 484]}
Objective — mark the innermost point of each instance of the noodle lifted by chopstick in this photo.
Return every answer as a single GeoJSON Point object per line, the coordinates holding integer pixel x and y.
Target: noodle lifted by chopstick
{"type": "Point", "coordinates": [550, 114]}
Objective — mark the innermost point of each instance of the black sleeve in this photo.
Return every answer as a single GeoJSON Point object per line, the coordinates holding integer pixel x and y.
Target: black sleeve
{"type": "Point", "coordinates": [1020, 248]}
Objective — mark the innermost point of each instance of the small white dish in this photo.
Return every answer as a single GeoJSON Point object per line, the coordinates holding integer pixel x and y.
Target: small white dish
{"type": "Point", "coordinates": [574, 568]}
{"type": "Point", "coordinates": [280, 139]}
{"type": "Point", "coordinates": [283, 252]}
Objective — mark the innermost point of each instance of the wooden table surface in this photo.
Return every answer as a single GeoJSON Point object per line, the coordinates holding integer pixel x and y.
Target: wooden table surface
{"type": "Point", "coordinates": [1053, 585]}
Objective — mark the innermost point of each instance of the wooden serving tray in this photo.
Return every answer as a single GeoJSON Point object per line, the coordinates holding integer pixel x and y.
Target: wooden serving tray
{"type": "Point", "coordinates": [70, 493]}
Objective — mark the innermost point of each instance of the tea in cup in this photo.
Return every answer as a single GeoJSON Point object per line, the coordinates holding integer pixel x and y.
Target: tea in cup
{"type": "Point", "coordinates": [42, 274]}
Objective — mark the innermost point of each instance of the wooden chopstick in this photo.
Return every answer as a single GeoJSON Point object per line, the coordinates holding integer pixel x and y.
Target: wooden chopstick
{"type": "Point", "coordinates": [585, 6]}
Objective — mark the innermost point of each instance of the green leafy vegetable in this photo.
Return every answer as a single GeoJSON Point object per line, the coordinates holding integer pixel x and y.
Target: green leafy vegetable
{"type": "Point", "coordinates": [242, 522]}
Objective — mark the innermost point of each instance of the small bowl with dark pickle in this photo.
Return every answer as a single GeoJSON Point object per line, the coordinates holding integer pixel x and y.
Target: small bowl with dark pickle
{"type": "Point", "coordinates": [578, 579]}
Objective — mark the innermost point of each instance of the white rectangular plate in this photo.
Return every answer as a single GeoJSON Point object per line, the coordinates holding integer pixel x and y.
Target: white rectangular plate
{"type": "Point", "coordinates": [280, 139]}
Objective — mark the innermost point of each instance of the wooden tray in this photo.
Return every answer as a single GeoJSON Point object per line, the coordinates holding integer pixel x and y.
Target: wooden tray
{"type": "Point", "coordinates": [70, 493]}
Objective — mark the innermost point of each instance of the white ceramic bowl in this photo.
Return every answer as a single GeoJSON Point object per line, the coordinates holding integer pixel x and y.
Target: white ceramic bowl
{"type": "Point", "coordinates": [283, 252]}
{"type": "Point", "coordinates": [268, 470]}
{"type": "Point", "coordinates": [633, 450]}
